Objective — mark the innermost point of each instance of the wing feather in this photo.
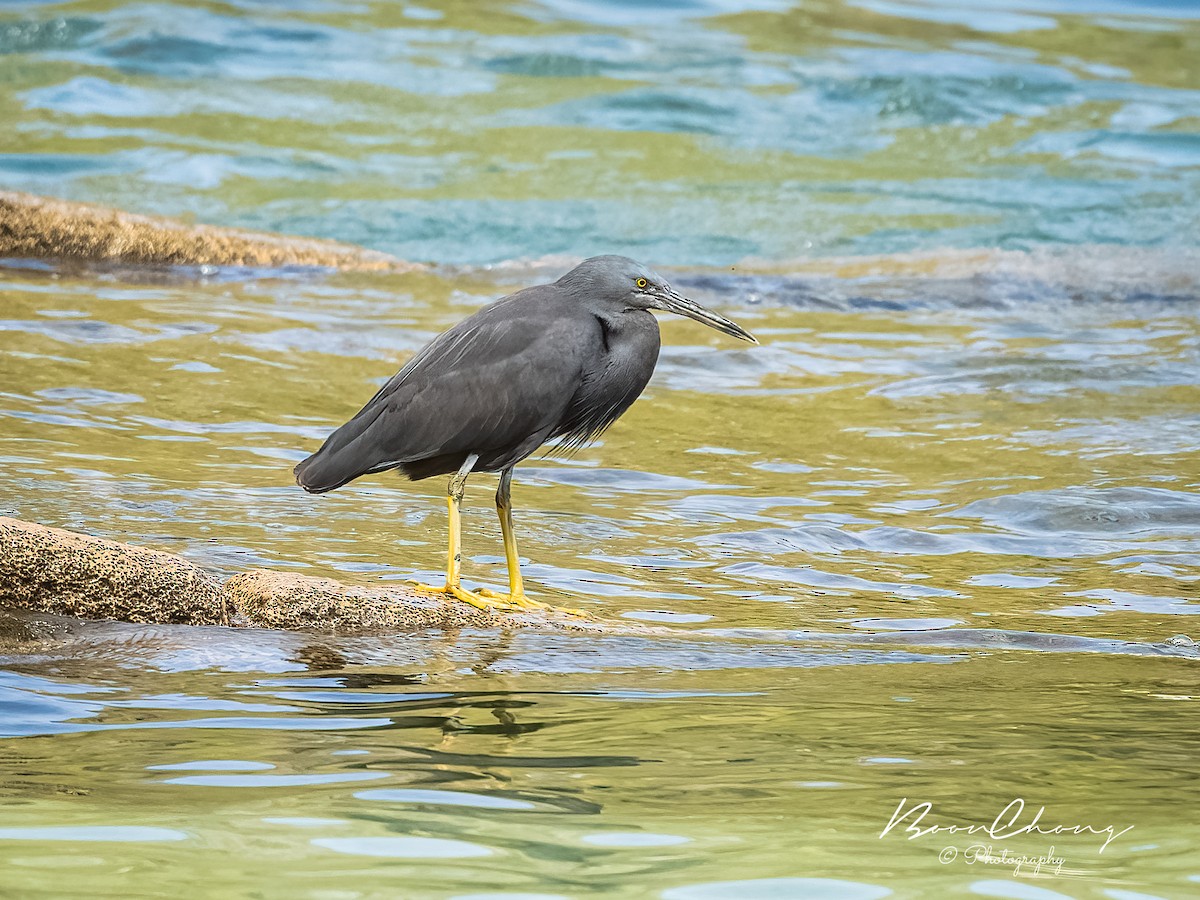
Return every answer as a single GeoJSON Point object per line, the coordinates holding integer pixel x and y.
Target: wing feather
{"type": "Point", "coordinates": [492, 383]}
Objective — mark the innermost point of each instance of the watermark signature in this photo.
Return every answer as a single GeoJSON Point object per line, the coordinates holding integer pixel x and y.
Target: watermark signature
{"type": "Point", "coordinates": [1010, 822]}
{"type": "Point", "coordinates": [1021, 863]}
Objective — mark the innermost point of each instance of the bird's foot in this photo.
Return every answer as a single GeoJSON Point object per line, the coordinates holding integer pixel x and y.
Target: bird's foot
{"type": "Point", "coordinates": [458, 592]}
{"type": "Point", "coordinates": [522, 602]}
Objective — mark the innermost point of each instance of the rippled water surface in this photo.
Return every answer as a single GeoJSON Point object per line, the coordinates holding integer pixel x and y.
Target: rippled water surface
{"type": "Point", "coordinates": [938, 538]}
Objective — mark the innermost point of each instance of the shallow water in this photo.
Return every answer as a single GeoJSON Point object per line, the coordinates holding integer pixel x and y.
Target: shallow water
{"type": "Point", "coordinates": [933, 540]}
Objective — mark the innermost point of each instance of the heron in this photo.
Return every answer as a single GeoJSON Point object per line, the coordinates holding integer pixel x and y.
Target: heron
{"type": "Point", "coordinates": [555, 362]}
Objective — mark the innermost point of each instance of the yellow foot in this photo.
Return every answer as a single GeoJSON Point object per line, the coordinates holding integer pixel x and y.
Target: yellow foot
{"type": "Point", "coordinates": [476, 600]}
{"type": "Point", "coordinates": [520, 601]}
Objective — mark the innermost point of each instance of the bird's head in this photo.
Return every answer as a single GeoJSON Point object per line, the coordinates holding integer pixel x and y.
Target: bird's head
{"type": "Point", "coordinates": [619, 279]}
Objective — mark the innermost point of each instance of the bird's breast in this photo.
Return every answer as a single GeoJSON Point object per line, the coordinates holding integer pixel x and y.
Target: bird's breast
{"type": "Point", "coordinates": [614, 375]}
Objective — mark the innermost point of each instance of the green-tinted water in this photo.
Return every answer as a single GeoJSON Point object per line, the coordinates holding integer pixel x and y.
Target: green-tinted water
{"type": "Point", "coordinates": [930, 541]}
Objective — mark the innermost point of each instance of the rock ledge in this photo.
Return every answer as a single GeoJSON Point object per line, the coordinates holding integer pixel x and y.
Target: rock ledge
{"type": "Point", "coordinates": [33, 227]}
{"type": "Point", "coordinates": [51, 570]}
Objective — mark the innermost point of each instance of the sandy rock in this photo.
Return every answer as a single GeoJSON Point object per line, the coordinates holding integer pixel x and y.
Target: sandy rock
{"type": "Point", "coordinates": [45, 228]}
{"type": "Point", "coordinates": [52, 570]}
{"type": "Point", "coordinates": [285, 600]}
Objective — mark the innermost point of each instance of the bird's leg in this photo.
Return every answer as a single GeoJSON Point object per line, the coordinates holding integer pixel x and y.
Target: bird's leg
{"type": "Point", "coordinates": [516, 587]}
{"type": "Point", "coordinates": [453, 586]}
{"type": "Point", "coordinates": [454, 495]}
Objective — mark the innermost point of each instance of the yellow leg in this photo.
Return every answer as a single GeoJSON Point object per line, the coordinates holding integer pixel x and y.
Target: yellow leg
{"type": "Point", "coordinates": [453, 586]}
{"type": "Point", "coordinates": [516, 586]}
{"type": "Point", "coordinates": [454, 538]}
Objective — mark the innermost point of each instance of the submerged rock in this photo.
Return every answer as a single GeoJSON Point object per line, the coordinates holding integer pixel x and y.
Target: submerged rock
{"type": "Point", "coordinates": [34, 227]}
{"type": "Point", "coordinates": [56, 571]}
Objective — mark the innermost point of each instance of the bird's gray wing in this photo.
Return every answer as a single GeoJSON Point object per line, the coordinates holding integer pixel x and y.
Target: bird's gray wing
{"type": "Point", "coordinates": [494, 381]}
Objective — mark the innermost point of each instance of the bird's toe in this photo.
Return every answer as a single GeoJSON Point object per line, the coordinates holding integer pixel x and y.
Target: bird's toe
{"type": "Point", "coordinates": [479, 600]}
{"type": "Point", "coordinates": [492, 601]}
{"type": "Point", "coordinates": [522, 602]}
{"type": "Point", "coordinates": [458, 592]}
{"type": "Point", "coordinates": [423, 588]}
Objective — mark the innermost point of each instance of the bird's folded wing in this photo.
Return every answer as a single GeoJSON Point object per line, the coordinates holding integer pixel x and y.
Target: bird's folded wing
{"type": "Point", "coordinates": [489, 383]}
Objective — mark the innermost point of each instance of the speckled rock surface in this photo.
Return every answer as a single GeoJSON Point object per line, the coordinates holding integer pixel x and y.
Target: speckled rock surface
{"type": "Point", "coordinates": [52, 570]}
{"type": "Point", "coordinates": [45, 228]}
{"type": "Point", "coordinates": [285, 600]}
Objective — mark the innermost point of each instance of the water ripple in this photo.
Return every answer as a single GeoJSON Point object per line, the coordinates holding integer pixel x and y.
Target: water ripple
{"type": "Point", "coordinates": [403, 847]}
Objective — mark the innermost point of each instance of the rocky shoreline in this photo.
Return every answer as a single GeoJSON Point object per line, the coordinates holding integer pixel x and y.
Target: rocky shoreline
{"type": "Point", "coordinates": [33, 227]}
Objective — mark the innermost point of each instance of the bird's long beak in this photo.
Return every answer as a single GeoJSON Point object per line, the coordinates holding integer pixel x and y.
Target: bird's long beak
{"type": "Point", "coordinates": [677, 303]}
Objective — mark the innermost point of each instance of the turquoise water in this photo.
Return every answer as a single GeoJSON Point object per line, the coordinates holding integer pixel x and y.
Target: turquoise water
{"type": "Point", "coordinates": [685, 133]}
{"type": "Point", "coordinates": [936, 540]}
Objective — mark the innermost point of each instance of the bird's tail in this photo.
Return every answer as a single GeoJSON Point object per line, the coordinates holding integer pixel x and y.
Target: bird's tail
{"type": "Point", "coordinates": [323, 472]}
{"type": "Point", "coordinates": [346, 454]}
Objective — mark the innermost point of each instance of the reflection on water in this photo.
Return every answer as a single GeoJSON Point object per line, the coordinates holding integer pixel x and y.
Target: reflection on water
{"type": "Point", "coordinates": [667, 780]}
{"type": "Point", "coordinates": [937, 538]}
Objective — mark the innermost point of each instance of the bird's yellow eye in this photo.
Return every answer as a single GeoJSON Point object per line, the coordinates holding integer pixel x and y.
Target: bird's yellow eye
{"type": "Point", "coordinates": [641, 282]}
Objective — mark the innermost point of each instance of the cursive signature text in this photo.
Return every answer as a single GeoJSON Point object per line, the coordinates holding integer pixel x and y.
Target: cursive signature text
{"type": "Point", "coordinates": [1007, 824]}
